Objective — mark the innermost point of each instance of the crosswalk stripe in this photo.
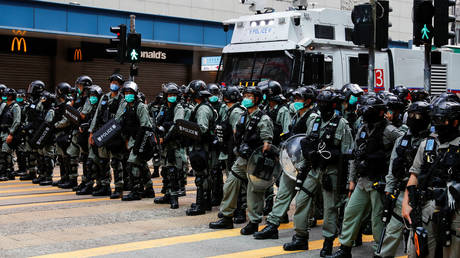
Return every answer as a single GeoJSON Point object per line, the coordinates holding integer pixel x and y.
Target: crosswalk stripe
{"type": "Point", "coordinates": [52, 203]}
{"type": "Point", "coordinates": [15, 185]}
{"type": "Point", "coordinates": [148, 244]}
{"type": "Point", "coordinates": [28, 190]}
{"type": "Point", "coordinates": [278, 250]}
{"type": "Point", "coordinates": [35, 195]}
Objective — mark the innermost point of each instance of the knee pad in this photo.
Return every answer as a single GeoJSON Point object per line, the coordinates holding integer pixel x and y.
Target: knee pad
{"type": "Point", "coordinates": [116, 165]}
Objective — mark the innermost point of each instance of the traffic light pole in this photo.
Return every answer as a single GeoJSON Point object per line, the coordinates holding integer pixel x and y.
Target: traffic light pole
{"type": "Point", "coordinates": [132, 29]}
{"type": "Point", "coordinates": [371, 67]}
{"type": "Point", "coordinates": [427, 69]}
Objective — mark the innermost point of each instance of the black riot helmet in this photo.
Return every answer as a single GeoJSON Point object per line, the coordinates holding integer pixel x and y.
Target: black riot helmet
{"type": "Point", "coordinates": [95, 90]}
{"type": "Point", "coordinates": [445, 96]}
{"type": "Point", "coordinates": [418, 119]}
{"type": "Point", "coordinates": [48, 99]}
{"type": "Point", "coordinates": [2, 89]}
{"type": "Point", "coordinates": [393, 102]}
{"type": "Point", "coordinates": [372, 109]}
{"type": "Point", "coordinates": [84, 80]}
{"type": "Point", "coordinates": [402, 93]}
{"type": "Point", "coordinates": [327, 103]}
{"type": "Point", "coordinates": [255, 91]}
{"type": "Point", "coordinates": [272, 89]}
{"type": "Point", "coordinates": [36, 88]}
{"type": "Point", "coordinates": [63, 90]}
{"type": "Point", "coordinates": [21, 93]}
{"type": "Point", "coordinates": [305, 92]}
{"type": "Point", "coordinates": [197, 89]}
{"type": "Point", "coordinates": [130, 86]}
{"type": "Point", "coordinates": [231, 94]}
{"type": "Point", "coordinates": [158, 99]}
{"type": "Point", "coordinates": [351, 93]}
{"type": "Point", "coordinates": [117, 78]}
{"type": "Point", "coordinates": [419, 95]}
{"type": "Point", "coordinates": [444, 115]}
{"type": "Point", "coordinates": [214, 89]}
{"type": "Point", "coordinates": [171, 88]}
{"type": "Point", "coordinates": [9, 92]}
{"type": "Point", "coordinates": [141, 96]}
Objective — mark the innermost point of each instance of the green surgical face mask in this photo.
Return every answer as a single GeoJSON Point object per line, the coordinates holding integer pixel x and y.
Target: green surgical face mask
{"type": "Point", "coordinates": [298, 105]}
{"type": "Point", "coordinates": [213, 99]}
{"type": "Point", "coordinates": [172, 99]}
{"type": "Point", "coordinates": [4, 98]}
{"type": "Point", "coordinates": [93, 100]}
{"type": "Point", "coordinates": [264, 96]}
{"type": "Point", "coordinates": [129, 98]}
{"type": "Point", "coordinates": [353, 100]}
{"type": "Point", "coordinates": [247, 103]}
{"type": "Point", "coordinates": [19, 99]}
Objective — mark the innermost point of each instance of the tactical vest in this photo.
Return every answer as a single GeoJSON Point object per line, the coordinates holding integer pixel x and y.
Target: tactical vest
{"type": "Point", "coordinates": [34, 115]}
{"type": "Point", "coordinates": [224, 129]}
{"type": "Point", "coordinates": [406, 151]}
{"type": "Point", "coordinates": [370, 153]}
{"type": "Point", "coordinates": [324, 144]}
{"type": "Point", "coordinates": [166, 115]}
{"type": "Point", "coordinates": [300, 126]}
{"type": "Point", "coordinates": [277, 127]}
{"type": "Point", "coordinates": [107, 111]}
{"type": "Point", "coordinates": [212, 122]}
{"type": "Point", "coordinates": [131, 123]}
{"type": "Point", "coordinates": [247, 131]}
{"type": "Point", "coordinates": [7, 117]}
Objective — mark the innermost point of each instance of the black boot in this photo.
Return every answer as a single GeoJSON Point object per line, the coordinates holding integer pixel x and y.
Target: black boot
{"type": "Point", "coordinates": [117, 193]}
{"type": "Point", "coordinates": [327, 247]}
{"type": "Point", "coordinates": [86, 190]}
{"type": "Point", "coordinates": [223, 223]}
{"type": "Point", "coordinates": [343, 252]}
{"type": "Point", "coordinates": [156, 172]}
{"type": "Point", "coordinates": [46, 181]}
{"type": "Point", "coordinates": [103, 191]}
{"type": "Point", "coordinates": [240, 216]}
{"type": "Point", "coordinates": [284, 219]}
{"type": "Point", "coordinates": [134, 195]}
{"type": "Point", "coordinates": [38, 179]}
{"type": "Point", "coordinates": [69, 184]}
{"type": "Point", "coordinates": [165, 199]}
{"type": "Point", "coordinates": [359, 240]}
{"type": "Point", "coordinates": [250, 229]}
{"type": "Point", "coordinates": [298, 243]}
{"type": "Point", "coordinates": [78, 187]}
{"type": "Point", "coordinates": [11, 175]}
{"type": "Point", "coordinates": [56, 183]}
{"type": "Point", "coordinates": [3, 178]}
{"type": "Point", "coordinates": [148, 193]}
{"type": "Point", "coordinates": [174, 202]}
{"type": "Point", "coordinates": [270, 231]}
{"type": "Point", "coordinates": [199, 207]}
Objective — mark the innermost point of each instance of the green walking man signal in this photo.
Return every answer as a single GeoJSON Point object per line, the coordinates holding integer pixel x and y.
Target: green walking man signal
{"type": "Point", "coordinates": [134, 55]}
{"type": "Point", "coordinates": [425, 32]}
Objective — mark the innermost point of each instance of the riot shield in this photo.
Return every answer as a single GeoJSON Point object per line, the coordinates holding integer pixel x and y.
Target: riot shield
{"type": "Point", "coordinates": [102, 136]}
{"type": "Point", "coordinates": [291, 157]}
{"type": "Point", "coordinates": [42, 136]}
{"type": "Point", "coordinates": [72, 114]}
{"type": "Point", "coordinates": [264, 168]}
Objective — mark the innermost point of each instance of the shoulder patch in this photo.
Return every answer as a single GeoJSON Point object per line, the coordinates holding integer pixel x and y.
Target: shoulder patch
{"type": "Point", "coordinates": [362, 135]}
{"type": "Point", "coordinates": [404, 143]}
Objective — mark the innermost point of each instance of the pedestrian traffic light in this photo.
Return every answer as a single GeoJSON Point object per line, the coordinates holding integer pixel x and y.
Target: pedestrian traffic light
{"type": "Point", "coordinates": [363, 30]}
{"type": "Point", "coordinates": [134, 47]}
{"type": "Point", "coordinates": [118, 44]}
{"type": "Point", "coordinates": [383, 24]}
{"type": "Point", "coordinates": [422, 18]}
{"type": "Point", "coordinates": [442, 32]}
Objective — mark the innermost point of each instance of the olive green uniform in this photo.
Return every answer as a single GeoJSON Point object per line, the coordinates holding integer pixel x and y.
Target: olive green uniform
{"type": "Point", "coordinates": [10, 122]}
{"type": "Point", "coordinates": [430, 209]}
{"type": "Point", "coordinates": [365, 195]}
{"type": "Point", "coordinates": [238, 175]}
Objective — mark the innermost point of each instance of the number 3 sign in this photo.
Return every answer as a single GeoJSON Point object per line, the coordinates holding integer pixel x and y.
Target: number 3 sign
{"type": "Point", "coordinates": [379, 80]}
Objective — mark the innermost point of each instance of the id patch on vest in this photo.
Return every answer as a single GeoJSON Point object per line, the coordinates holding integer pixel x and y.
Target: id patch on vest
{"type": "Point", "coordinates": [363, 135]}
{"type": "Point", "coordinates": [429, 145]}
{"type": "Point", "coordinates": [404, 143]}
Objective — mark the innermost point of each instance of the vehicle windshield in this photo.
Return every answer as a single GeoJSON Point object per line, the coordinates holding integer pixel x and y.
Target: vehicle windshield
{"type": "Point", "coordinates": [256, 67]}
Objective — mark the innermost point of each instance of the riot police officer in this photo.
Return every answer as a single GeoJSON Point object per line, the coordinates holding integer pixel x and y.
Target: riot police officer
{"type": "Point", "coordinates": [373, 144]}
{"type": "Point", "coordinates": [172, 170]}
{"type": "Point", "coordinates": [10, 121]}
{"type": "Point", "coordinates": [135, 119]}
{"type": "Point", "coordinates": [431, 196]}
{"type": "Point", "coordinates": [32, 122]}
{"type": "Point", "coordinates": [154, 109]}
{"type": "Point", "coordinates": [205, 116]}
{"type": "Point", "coordinates": [21, 154]}
{"type": "Point", "coordinates": [253, 130]}
{"type": "Point", "coordinates": [303, 102]}
{"type": "Point", "coordinates": [402, 158]}
{"type": "Point", "coordinates": [351, 94]}
{"type": "Point", "coordinates": [395, 111]}
{"type": "Point", "coordinates": [114, 150]}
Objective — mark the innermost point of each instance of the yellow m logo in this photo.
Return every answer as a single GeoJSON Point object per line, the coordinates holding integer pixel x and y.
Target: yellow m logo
{"type": "Point", "coordinates": [77, 56]}
{"type": "Point", "coordinates": [17, 42]}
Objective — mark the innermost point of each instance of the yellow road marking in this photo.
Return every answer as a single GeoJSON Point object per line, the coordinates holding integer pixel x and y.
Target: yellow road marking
{"type": "Point", "coordinates": [141, 245]}
{"type": "Point", "coordinates": [15, 185]}
{"type": "Point", "coordinates": [29, 190]}
{"type": "Point", "coordinates": [278, 250]}
{"type": "Point", "coordinates": [51, 203]}
{"type": "Point", "coordinates": [35, 195]}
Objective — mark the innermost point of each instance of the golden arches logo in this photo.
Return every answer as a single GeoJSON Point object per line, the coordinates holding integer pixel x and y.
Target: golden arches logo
{"type": "Point", "coordinates": [18, 42]}
{"type": "Point", "coordinates": [77, 55]}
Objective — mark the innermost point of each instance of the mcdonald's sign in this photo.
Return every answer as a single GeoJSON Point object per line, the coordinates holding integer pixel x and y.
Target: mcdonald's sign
{"type": "Point", "coordinates": [77, 55]}
{"type": "Point", "coordinates": [16, 44]}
